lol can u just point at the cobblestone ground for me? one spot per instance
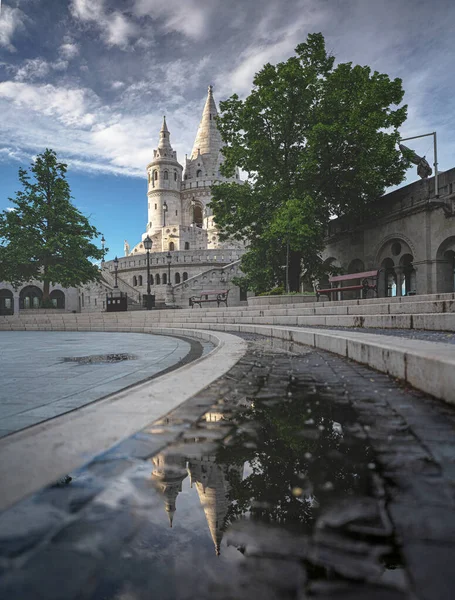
(291, 477)
(446, 337)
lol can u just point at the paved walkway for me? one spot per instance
(446, 337)
(308, 476)
(39, 384)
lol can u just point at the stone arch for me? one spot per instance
(171, 246)
(57, 298)
(198, 215)
(177, 278)
(30, 297)
(199, 173)
(139, 280)
(166, 175)
(397, 275)
(164, 278)
(134, 281)
(386, 244)
(158, 279)
(445, 265)
(6, 302)
(185, 276)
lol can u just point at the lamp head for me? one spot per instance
(148, 243)
(165, 205)
(169, 258)
(116, 262)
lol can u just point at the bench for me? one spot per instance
(369, 281)
(217, 296)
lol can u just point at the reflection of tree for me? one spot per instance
(295, 450)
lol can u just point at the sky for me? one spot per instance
(92, 79)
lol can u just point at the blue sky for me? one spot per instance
(92, 78)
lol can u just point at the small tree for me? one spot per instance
(44, 236)
(316, 141)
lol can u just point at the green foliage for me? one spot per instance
(316, 141)
(45, 237)
(277, 291)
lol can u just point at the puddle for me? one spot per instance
(100, 358)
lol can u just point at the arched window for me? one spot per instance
(166, 175)
(158, 280)
(185, 276)
(30, 297)
(197, 215)
(171, 246)
(135, 281)
(199, 173)
(57, 298)
(151, 279)
(140, 279)
(155, 175)
(164, 278)
(187, 245)
(177, 278)
(6, 302)
(175, 175)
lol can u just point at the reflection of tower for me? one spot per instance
(213, 487)
(168, 474)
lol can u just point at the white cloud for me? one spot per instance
(34, 68)
(116, 28)
(10, 209)
(69, 50)
(11, 20)
(191, 18)
(116, 85)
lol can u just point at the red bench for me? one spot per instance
(369, 281)
(217, 296)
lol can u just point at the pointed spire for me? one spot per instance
(170, 515)
(208, 138)
(164, 136)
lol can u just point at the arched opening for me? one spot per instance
(185, 276)
(408, 280)
(155, 175)
(177, 278)
(30, 297)
(134, 281)
(151, 279)
(390, 277)
(445, 257)
(166, 175)
(187, 245)
(158, 280)
(171, 246)
(197, 215)
(164, 278)
(175, 176)
(327, 267)
(6, 302)
(199, 173)
(140, 280)
(356, 266)
(57, 298)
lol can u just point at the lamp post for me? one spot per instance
(148, 246)
(169, 260)
(435, 151)
(164, 212)
(115, 271)
(103, 241)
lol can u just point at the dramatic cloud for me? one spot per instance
(116, 28)
(11, 20)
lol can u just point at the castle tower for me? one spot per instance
(168, 474)
(164, 175)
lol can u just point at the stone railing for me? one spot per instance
(123, 286)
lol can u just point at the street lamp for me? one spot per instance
(164, 212)
(115, 271)
(193, 204)
(103, 241)
(420, 161)
(169, 260)
(148, 246)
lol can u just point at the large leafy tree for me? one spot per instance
(316, 141)
(44, 236)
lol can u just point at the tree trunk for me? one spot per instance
(294, 271)
(46, 287)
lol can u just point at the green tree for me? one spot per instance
(45, 237)
(316, 141)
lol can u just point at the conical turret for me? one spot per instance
(208, 139)
(164, 142)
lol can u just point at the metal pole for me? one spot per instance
(148, 280)
(169, 273)
(287, 265)
(115, 272)
(436, 185)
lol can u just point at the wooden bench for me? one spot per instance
(217, 296)
(369, 281)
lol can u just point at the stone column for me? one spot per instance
(400, 278)
(16, 302)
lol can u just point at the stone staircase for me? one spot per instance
(427, 364)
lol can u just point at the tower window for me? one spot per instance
(155, 175)
(199, 173)
(175, 176)
(155, 207)
(176, 212)
(166, 175)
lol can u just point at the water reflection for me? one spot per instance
(279, 459)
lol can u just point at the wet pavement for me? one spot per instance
(292, 476)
